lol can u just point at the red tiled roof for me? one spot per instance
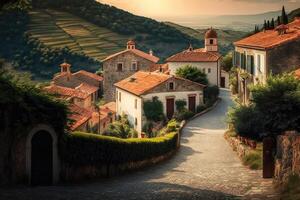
(197, 55)
(157, 67)
(66, 92)
(88, 74)
(109, 107)
(137, 52)
(78, 115)
(270, 38)
(141, 82)
(211, 33)
(86, 88)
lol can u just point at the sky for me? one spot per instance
(172, 8)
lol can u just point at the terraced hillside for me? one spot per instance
(58, 29)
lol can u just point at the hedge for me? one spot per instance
(88, 149)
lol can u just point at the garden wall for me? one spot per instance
(87, 156)
(236, 144)
(287, 157)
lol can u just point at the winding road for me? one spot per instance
(205, 168)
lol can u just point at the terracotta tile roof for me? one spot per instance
(141, 82)
(86, 88)
(109, 107)
(78, 115)
(270, 38)
(66, 92)
(297, 73)
(197, 55)
(88, 74)
(137, 52)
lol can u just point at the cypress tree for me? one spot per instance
(284, 17)
(265, 25)
(272, 24)
(278, 21)
(268, 24)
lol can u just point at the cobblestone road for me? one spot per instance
(204, 168)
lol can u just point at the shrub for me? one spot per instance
(153, 110)
(247, 122)
(253, 160)
(109, 150)
(147, 128)
(120, 129)
(172, 126)
(200, 108)
(193, 74)
(211, 94)
(184, 115)
(180, 104)
(279, 102)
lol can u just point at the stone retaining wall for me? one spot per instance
(237, 146)
(287, 157)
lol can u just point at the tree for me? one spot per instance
(265, 25)
(193, 74)
(153, 110)
(268, 25)
(279, 103)
(284, 17)
(278, 21)
(227, 62)
(272, 25)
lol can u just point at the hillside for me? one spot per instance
(66, 30)
(226, 37)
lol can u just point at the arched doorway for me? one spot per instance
(42, 158)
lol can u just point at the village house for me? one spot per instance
(267, 52)
(142, 86)
(206, 59)
(81, 90)
(124, 64)
(107, 115)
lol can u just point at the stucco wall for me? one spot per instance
(112, 76)
(127, 106)
(213, 76)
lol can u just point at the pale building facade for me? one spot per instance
(206, 59)
(132, 92)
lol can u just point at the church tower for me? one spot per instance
(211, 40)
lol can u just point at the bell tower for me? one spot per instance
(211, 40)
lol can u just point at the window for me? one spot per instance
(135, 103)
(203, 70)
(135, 122)
(209, 70)
(120, 96)
(237, 59)
(104, 125)
(134, 66)
(258, 63)
(171, 86)
(211, 41)
(111, 120)
(120, 67)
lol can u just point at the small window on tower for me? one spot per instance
(211, 41)
(208, 70)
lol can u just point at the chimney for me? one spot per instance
(132, 79)
(191, 47)
(151, 52)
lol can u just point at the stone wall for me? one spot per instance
(287, 157)
(241, 149)
(112, 75)
(284, 58)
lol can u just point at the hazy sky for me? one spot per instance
(168, 8)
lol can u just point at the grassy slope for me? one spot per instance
(64, 29)
(226, 37)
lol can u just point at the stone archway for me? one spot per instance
(42, 163)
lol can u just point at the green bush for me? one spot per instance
(201, 108)
(153, 110)
(147, 128)
(120, 129)
(172, 126)
(183, 115)
(193, 74)
(80, 149)
(180, 104)
(253, 160)
(247, 122)
(211, 94)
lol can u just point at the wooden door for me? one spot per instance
(41, 159)
(192, 103)
(269, 149)
(222, 82)
(170, 108)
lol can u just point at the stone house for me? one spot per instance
(267, 52)
(107, 115)
(81, 90)
(123, 64)
(132, 92)
(206, 59)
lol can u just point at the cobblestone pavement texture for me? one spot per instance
(205, 168)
